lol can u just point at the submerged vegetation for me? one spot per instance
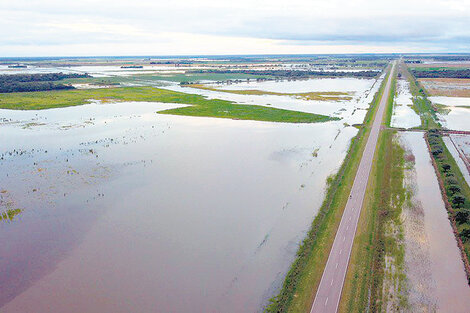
(9, 215)
(321, 95)
(197, 104)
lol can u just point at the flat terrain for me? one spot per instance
(450, 87)
(329, 291)
(198, 105)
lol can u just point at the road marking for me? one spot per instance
(326, 302)
(340, 251)
(336, 265)
(331, 284)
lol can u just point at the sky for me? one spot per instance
(187, 27)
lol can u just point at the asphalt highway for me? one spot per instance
(331, 284)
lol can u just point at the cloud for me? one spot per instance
(294, 26)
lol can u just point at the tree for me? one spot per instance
(436, 150)
(458, 199)
(453, 188)
(462, 216)
(446, 167)
(450, 180)
(465, 233)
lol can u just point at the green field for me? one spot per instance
(198, 105)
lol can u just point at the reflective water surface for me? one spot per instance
(126, 210)
(437, 274)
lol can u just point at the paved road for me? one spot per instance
(331, 284)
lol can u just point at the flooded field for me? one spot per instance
(451, 87)
(125, 210)
(403, 115)
(434, 268)
(455, 112)
(351, 111)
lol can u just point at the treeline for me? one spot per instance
(35, 82)
(291, 73)
(441, 73)
(454, 188)
(32, 86)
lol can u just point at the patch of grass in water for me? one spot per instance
(9, 215)
(198, 105)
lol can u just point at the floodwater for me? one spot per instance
(461, 144)
(403, 115)
(459, 112)
(126, 210)
(446, 288)
(450, 101)
(351, 111)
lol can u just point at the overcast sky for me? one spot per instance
(185, 27)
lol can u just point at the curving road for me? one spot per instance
(331, 284)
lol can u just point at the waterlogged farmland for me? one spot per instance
(345, 98)
(403, 114)
(113, 207)
(433, 266)
(453, 112)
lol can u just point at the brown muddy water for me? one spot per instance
(126, 210)
(437, 280)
